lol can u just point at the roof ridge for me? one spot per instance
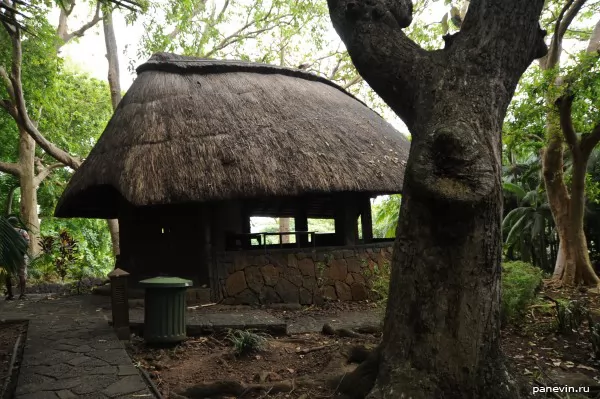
(175, 63)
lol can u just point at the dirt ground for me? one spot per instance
(536, 354)
(207, 359)
(9, 332)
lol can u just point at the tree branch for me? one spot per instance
(9, 199)
(44, 172)
(197, 10)
(66, 37)
(565, 105)
(570, 16)
(10, 168)
(588, 142)
(382, 53)
(20, 115)
(357, 79)
(594, 43)
(563, 21)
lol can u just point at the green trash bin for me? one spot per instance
(164, 309)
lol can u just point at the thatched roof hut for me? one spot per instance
(197, 130)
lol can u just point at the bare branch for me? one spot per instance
(66, 37)
(563, 21)
(335, 69)
(570, 16)
(594, 43)
(357, 79)
(239, 34)
(44, 172)
(10, 168)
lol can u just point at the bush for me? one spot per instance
(520, 282)
(380, 280)
(246, 342)
(570, 315)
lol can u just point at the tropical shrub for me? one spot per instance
(520, 282)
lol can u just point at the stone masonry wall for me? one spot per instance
(302, 275)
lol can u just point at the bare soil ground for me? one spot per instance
(536, 354)
(541, 356)
(9, 332)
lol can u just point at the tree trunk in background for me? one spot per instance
(115, 96)
(10, 199)
(29, 204)
(442, 329)
(573, 265)
(584, 272)
(284, 226)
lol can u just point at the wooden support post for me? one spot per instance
(246, 227)
(346, 220)
(301, 223)
(366, 219)
(119, 303)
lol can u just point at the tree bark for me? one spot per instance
(115, 95)
(441, 332)
(29, 202)
(10, 199)
(573, 265)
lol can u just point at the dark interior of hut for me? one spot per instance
(181, 239)
(351, 213)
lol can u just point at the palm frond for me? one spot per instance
(531, 198)
(12, 247)
(517, 190)
(515, 230)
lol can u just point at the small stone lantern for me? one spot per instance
(120, 303)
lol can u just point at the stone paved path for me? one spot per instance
(72, 352)
(248, 318)
(310, 324)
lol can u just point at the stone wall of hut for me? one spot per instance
(304, 276)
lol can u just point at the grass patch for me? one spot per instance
(246, 342)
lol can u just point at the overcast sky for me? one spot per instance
(88, 53)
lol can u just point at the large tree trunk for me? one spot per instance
(29, 204)
(115, 95)
(584, 271)
(442, 327)
(573, 265)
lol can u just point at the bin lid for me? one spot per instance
(166, 282)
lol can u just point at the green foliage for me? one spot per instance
(246, 342)
(570, 315)
(380, 280)
(520, 282)
(526, 227)
(12, 247)
(386, 215)
(73, 249)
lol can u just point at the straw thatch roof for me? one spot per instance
(192, 130)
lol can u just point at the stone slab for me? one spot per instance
(71, 352)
